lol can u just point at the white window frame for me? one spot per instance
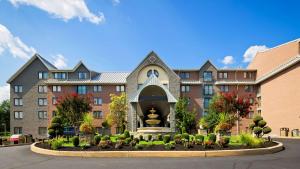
(120, 88)
(18, 88)
(18, 102)
(97, 101)
(42, 102)
(42, 75)
(97, 88)
(18, 115)
(98, 114)
(42, 89)
(185, 88)
(56, 88)
(42, 115)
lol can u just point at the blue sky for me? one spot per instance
(115, 35)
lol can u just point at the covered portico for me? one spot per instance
(153, 96)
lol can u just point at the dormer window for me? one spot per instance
(59, 75)
(82, 75)
(150, 72)
(207, 76)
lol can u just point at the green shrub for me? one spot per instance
(141, 138)
(103, 144)
(224, 141)
(188, 144)
(126, 134)
(262, 123)
(166, 138)
(267, 130)
(177, 138)
(185, 136)
(57, 143)
(251, 126)
(105, 138)
(169, 146)
(257, 131)
(131, 136)
(249, 140)
(159, 137)
(122, 137)
(127, 141)
(199, 139)
(136, 140)
(256, 119)
(139, 146)
(75, 141)
(191, 138)
(97, 139)
(212, 137)
(149, 137)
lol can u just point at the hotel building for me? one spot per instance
(271, 82)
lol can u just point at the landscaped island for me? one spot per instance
(178, 142)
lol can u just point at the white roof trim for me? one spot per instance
(235, 82)
(153, 80)
(280, 68)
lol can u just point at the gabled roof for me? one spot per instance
(46, 63)
(152, 53)
(279, 69)
(208, 62)
(153, 81)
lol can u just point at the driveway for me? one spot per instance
(21, 157)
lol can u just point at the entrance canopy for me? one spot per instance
(153, 81)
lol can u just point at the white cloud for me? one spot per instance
(251, 52)
(228, 60)
(115, 2)
(14, 45)
(64, 9)
(4, 92)
(59, 61)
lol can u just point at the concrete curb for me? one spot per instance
(217, 153)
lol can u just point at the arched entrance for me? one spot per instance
(154, 107)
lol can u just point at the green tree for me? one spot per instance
(117, 111)
(259, 126)
(72, 107)
(185, 120)
(4, 115)
(56, 127)
(87, 127)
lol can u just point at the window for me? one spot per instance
(248, 88)
(251, 100)
(18, 89)
(42, 89)
(207, 76)
(120, 88)
(43, 75)
(206, 103)
(98, 114)
(97, 101)
(56, 88)
(204, 113)
(42, 102)
(42, 115)
(82, 75)
(97, 88)
(18, 130)
(247, 75)
(259, 112)
(185, 89)
(208, 89)
(18, 114)
(54, 100)
(250, 115)
(184, 75)
(150, 72)
(223, 75)
(59, 75)
(81, 89)
(224, 88)
(18, 102)
(42, 131)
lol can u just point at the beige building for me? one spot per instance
(278, 81)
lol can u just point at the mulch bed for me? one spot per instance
(178, 147)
